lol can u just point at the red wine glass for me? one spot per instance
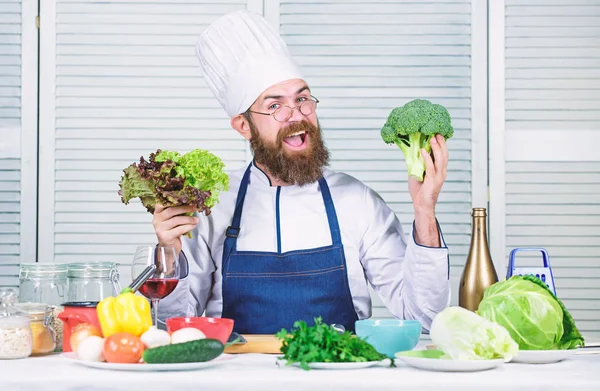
(164, 279)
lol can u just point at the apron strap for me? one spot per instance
(334, 226)
(233, 230)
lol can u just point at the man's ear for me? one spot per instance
(241, 125)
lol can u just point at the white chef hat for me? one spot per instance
(241, 56)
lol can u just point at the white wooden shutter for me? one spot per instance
(10, 127)
(361, 60)
(127, 82)
(18, 121)
(552, 138)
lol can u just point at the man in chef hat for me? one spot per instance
(292, 240)
(251, 73)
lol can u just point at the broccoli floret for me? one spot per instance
(411, 127)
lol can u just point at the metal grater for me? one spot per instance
(543, 273)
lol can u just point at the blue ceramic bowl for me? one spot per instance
(389, 336)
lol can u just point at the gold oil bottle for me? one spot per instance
(479, 272)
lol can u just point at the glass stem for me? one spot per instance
(155, 307)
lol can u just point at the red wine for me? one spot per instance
(157, 288)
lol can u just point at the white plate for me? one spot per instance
(188, 366)
(338, 365)
(542, 356)
(431, 363)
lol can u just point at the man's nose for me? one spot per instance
(296, 116)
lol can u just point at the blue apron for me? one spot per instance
(267, 291)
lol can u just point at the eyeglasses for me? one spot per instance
(284, 113)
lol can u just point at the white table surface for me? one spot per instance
(260, 372)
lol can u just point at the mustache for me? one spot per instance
(296, 127)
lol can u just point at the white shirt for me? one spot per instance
(412, 280)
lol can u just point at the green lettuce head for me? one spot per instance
(535, 318)
(171, 179)
(463, 335)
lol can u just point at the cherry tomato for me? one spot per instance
(123, 348)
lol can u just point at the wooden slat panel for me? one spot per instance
(537, 84)
(9, 272)
(10, 134)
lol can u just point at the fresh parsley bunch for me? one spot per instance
(322, 343)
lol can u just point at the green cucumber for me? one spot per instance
(199, 350)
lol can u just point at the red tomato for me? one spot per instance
(123, 348)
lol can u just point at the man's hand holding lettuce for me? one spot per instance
(194, 179)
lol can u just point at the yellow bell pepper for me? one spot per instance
(125, 313)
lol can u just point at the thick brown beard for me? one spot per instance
(295, 168)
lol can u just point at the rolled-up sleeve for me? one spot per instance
(411, 280)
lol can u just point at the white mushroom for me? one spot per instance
(90, 349)
(186, 334)
(155, 337)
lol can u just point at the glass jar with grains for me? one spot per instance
(15, 332)
(42, 327)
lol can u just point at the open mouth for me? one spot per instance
(296, 140)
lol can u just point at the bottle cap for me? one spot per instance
(479, 212)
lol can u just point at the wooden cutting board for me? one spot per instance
(256, 343)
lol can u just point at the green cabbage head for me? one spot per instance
(535, 318)
(463, 335)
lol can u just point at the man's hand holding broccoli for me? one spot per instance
(420, 129)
